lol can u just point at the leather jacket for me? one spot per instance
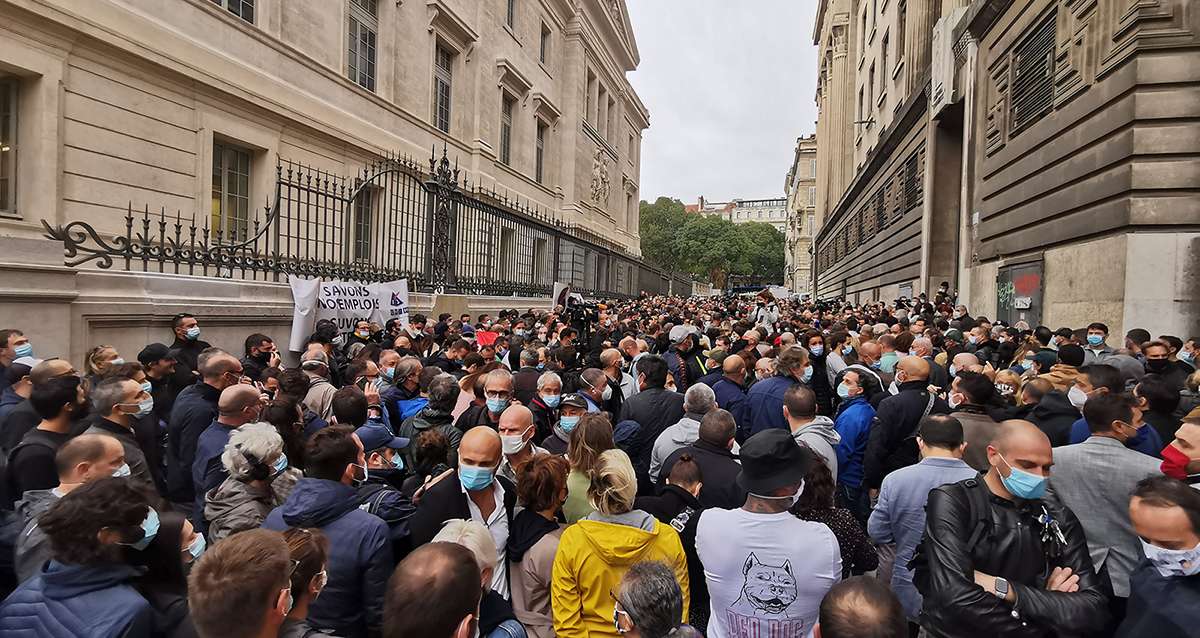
(1009, 546)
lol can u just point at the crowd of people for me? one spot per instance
(736, 466)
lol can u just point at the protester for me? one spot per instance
(594, 553)
(1165, 585)
(436, 416)
(809, 429)
(899, 516)
(571, 408)
(853, 428)
(860, 607)
(238, 405)
(472, 492)
(997, 558)
(533, 541)
(971, 394)
(591, 438)
(891, 445)
(163, 582)
(434, 592)
(58, 402)
(242, 587)
(258, 479)
(194, 411)
(309, 549)
(654, 408)
(698, 401)
(360, 556)
(649, 603)
(1094, 478)
(83, 459)
(764, 401)
(815, 504)
(545, 403)
(87, 588)
(713, 454)
(496, 618)
(516, 429)
(774, 576)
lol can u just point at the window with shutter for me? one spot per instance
(1033, 75)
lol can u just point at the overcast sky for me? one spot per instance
(729, 85)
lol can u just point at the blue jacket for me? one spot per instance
(731, 397)
(193, 412)
(409, 407)
(764, 405)
(77, 601)
(853, 423)
(360, 554)
(207, 470)
(899, 517)
(712, 378)
(1147, 441)
(1160, 607)
(9, 400)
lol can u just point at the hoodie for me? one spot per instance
(360, 554)
(592, 557)
(33, 548)
(1054, 415)
(683, 433)
(821, 437)
(97, 601)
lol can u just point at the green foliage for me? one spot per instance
(709, 247)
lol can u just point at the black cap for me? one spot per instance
(772, 459)
(573, 400)
(154, 353)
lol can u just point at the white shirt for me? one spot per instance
(497, 524)
(770, 582)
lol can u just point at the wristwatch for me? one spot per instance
(1000, 588)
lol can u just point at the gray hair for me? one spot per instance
(651, 596)
(443, 392)
(406, 366)
(500, 374)
(529, 357)
(475, 537)
(107, 394)
(547, 377)
(791, 360)
(699, 399)
(258, 440)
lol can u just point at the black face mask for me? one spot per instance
(82, 410)
(1157, 365)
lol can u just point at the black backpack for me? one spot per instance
(977, 509)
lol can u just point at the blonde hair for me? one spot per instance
(91, 363)
(614, 485)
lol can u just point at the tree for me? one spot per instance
(712, 247)
(765, 256)
(659, 224)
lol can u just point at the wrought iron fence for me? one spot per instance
(395, 219)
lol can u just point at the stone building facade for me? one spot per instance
(801, 188)
(109, 102)
(188, 106)
(1039, 156)
(743, 211)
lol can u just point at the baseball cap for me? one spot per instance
(772, 459)
(679, 333)
(153, 353)
(375, 435)
(954, 334)
(573, 400)
(716, 354)
(20, 368)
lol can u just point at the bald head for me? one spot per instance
(869, 352)
(734, 366)
(965, 361)
(216, 363)
(1018, 445)
(914, 368)
(49, 369)
(239, 402)
(480, 447)
(610, 358)
(515, 420)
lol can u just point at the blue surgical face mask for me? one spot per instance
(197, 547)
(843, 391)
(397, 460)
(1095, 340)
(475, 478)
(847, 349)
(23, 350)
(496, 406)
(541, 366)
(193, 333)
(807, 375)
(552, 400)
(1023, 484)
(972, 339)
(817, 350)
(388, 373)
(116, 362)
(147, 388)
(568, 423)
(122, 472)
(280, 464)
(145, 407)
(149, 530)
(1187, 355)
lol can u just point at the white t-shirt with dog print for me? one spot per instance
(766, 573)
